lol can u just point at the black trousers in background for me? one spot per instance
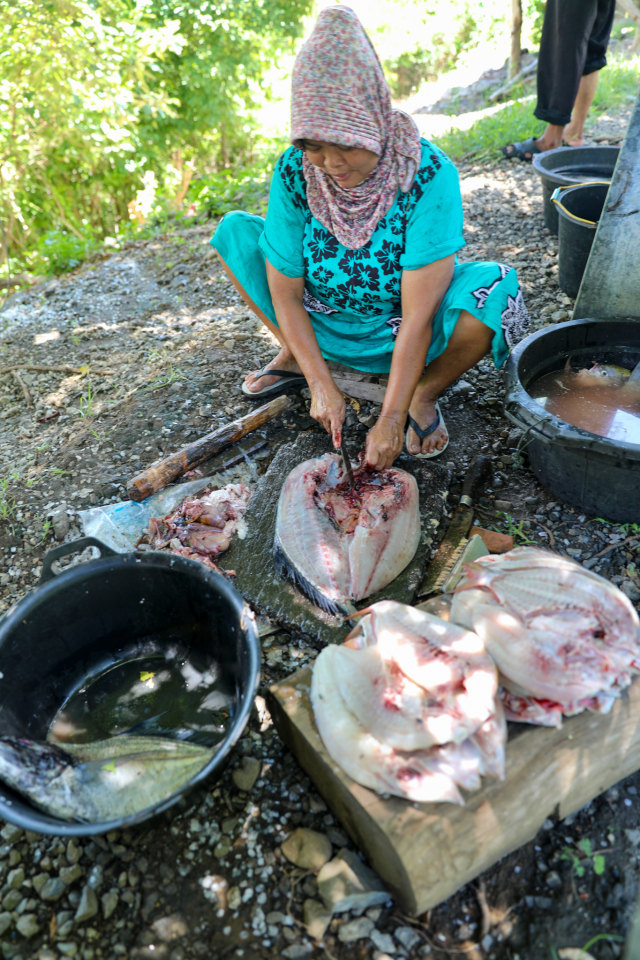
(575, 36)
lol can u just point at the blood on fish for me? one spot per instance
(340, 542)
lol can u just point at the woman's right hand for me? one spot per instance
(328, 408)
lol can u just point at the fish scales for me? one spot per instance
(340, 543)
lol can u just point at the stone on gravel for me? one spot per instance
(316, 918)
(27, 925)
(53, 888)
(109, 902)
(346, 883)
(356, 929)
(383, 941)
(246, 774)
(297, 951)
(407, 937)
(307, 849)
(88, 905)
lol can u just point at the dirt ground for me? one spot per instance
(130, 357)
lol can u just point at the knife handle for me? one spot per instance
(478, 473)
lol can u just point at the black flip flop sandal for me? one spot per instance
(288, 381)
(521, 150)
(422, 434)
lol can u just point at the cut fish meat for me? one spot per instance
(564, 639)
(418, 680)
(340, 543)
(201, 527)
(366, 759)
(394, 735)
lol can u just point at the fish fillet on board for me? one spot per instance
(416, 680)
(558, 633)
(341, 543)
(362, 756)
(397, 736)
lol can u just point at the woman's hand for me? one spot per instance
(384, 442)
(328, 408)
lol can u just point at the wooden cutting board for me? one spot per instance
(251, 558)
(425, 852)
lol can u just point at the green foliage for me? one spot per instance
(436, 39)
(94, 94)
(7, 502)
(617, 87)
(59, 250)
(581, 855)
(516, 529)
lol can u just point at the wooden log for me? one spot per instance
(425, 852)
(516, 33)
(158, 476)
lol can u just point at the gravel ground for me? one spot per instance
(128, 358)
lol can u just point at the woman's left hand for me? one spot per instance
(384, 442)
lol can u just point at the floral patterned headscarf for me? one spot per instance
(340, 95)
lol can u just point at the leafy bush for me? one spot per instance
(58, 251)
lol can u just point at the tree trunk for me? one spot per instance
(516, 29)
(631, 9)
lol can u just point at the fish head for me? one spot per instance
(24, 761)
(599, 372)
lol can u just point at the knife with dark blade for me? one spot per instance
(455, 539)
(347, 462)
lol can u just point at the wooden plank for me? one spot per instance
(425, 852)
(360, 389)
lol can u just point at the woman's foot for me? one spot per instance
(283, 361)
(424, 412)
(572, 137)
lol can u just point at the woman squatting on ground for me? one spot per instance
(356, 259)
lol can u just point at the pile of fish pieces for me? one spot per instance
(408, 705)
(340, 541)
(201, 527)
(564, 639)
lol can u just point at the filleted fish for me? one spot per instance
(432, 680)
(564, 639)
(99, 781)
(340, 542)
(421, 738)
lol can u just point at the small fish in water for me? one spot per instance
(340, 542)
(99, 781)
(602, 371)
(603, 399)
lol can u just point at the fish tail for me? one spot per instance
(287, 571)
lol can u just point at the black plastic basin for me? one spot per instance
(95, 613)
(599, 476)
(567, 165)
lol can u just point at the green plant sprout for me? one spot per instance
(578, 858)
(173, 373)
(515, 529)
(46, 529)
(7, 503)
(86, 403)
(584, 950)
